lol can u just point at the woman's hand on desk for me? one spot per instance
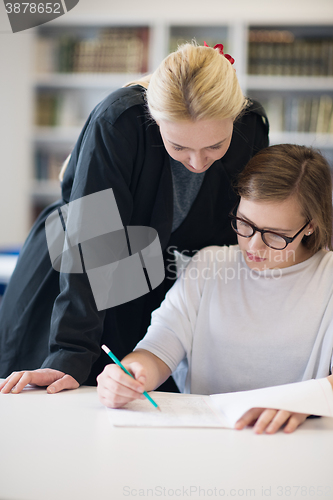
(53, 380)
(115, 388)
(270, 421)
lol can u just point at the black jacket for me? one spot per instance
(49, 319)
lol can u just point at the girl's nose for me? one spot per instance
(255, 243)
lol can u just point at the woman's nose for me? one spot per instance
(198, 160)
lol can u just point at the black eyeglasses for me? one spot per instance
(270, 238)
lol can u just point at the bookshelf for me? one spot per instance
(290, 70)
(76, 66)
(287, 68)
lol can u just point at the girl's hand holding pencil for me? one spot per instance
(128, 380)
(116, 388)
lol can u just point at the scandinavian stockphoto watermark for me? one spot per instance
(23, 15)
(224, 263)
(87, 236)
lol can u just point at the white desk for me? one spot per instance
(62, 446)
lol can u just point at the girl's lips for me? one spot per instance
(254, 258)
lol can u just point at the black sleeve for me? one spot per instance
(107, 157)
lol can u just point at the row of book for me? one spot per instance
(110, 51)
(270, 36)
(48, 164)
(298, 58)
(300, 114)
(61, 109)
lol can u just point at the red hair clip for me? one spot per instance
(219, 46)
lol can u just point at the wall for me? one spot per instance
(15, 124)
(298, 11)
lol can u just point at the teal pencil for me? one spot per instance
(116, 360)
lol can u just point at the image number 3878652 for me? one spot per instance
(24, 15)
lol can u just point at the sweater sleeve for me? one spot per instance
(170, 335)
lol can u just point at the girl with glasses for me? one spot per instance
(252, 315)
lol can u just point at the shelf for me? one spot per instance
(321, 141)
(56, 135)
(45, 190)
(84, 80)
(283, 83)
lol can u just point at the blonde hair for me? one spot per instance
(144, 82)
(64, 167)
(284, 170)
(194, 83)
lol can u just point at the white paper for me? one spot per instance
(314, 397)
(177, 410)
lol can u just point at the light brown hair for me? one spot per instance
(284, 170)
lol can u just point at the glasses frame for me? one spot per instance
(287, 239)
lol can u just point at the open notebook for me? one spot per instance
(313, 397)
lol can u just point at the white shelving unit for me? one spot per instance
(89, 89)
(292, 83)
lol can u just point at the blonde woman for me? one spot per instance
(252, 315)
(169, 148)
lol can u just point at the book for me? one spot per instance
(61, 108)
(324, 114)
(48, 164)
(300, 113)
(116, 50)
(46, 109)
(109, 50)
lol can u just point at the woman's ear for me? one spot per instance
(310, 228)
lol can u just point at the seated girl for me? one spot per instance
(252, 315)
